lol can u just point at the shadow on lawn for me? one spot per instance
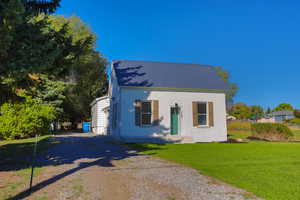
(94, 151)
(16, 156)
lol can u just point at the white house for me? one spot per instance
(160, 102)
(277, 117)
(100, 114)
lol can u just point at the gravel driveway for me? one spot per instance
(86, 166)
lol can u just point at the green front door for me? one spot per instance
(174, 121)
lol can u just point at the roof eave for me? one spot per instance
(178, 89)
(98, 99)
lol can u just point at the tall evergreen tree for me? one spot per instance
(31, 45)
(41, 6)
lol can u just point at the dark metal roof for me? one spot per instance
(167, 75)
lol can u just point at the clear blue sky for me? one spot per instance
(257, 41)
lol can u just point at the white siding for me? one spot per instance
(126, 122)
(100, 116)
(94, 117)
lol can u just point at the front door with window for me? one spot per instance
(174, 120)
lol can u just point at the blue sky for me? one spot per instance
(257, 41)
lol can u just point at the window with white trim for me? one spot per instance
(202, 114)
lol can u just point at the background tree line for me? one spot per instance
(49, 68)
(242, 111)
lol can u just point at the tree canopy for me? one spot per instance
(30, 45)
(224, 74)
(283, 106)
(240, 111)
(50, 59)
(256, 111)
(86, 75)
(41, 6)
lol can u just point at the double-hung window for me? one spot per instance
(146, 113)
(202, 114)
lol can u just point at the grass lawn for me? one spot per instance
(297, 134)
(270, 170)
(16, 173)
(10, 150)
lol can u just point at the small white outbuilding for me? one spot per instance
(100, 114)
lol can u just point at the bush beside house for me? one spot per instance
(25, 119)
(296, 120)
(271, 131)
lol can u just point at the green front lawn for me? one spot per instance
(267, 169)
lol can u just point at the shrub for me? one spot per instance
(297, 113)
(271, 131)
(295, 121)
(238, 126)
(25, 119)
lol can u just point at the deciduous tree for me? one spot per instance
(283, 106)
(87, 75)
(233, 88)
(256, 112)
(241, 111)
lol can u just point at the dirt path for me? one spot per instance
(90, 167)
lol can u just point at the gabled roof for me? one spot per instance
(98, 99)
(167, 75)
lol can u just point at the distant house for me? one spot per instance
(278, 116)
(100, 114)
(155, 101)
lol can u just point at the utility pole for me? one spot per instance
(33, 162)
